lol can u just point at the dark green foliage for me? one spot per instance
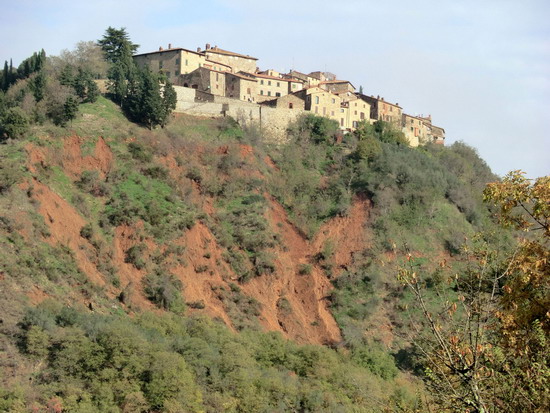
(139, 152)
(14, 123)
(164, 289)
(90, 182)
(135, 256)
(146, 101)
(116, 44)
(318, 128)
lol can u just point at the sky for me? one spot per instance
(480, 68)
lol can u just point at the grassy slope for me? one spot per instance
(165, 180)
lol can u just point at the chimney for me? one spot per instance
(378, 97)
(198, 49)
(169, 45)
(160, 48)
(397, 104)
(207, 46)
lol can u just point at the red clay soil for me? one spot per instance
(308, 320)
(346, 234)
(65, 223)
(74, 163)
(203, 270)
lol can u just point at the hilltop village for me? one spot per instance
(217, 81)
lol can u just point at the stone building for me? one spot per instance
(205, 80)
(238, 62)
(321, 102)
(241, 86)
(383, 110)
(355, 110)
(415, 130)
(306, 79)
(271, 86)
(291, 101)
(434, 133)
(172, 62)
(337, 86)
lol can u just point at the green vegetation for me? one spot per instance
(91, 347)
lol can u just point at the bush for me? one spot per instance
(14, 123)
(134, 256)
(164, 289)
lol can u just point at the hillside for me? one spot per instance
(195, 268)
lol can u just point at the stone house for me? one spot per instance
(337, 86)
(383, 110)
(434, 133)
(271, 86)
(238, 62)
(415, 130)
(306, 79)
(355, 110)
(205, 80)
(241, 86)
(321, 102)
(290, 101)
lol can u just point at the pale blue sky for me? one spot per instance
(480, 68)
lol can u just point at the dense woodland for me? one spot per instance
(445, 308)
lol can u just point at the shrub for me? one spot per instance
(134, 256)
(14, 123)
(164, 289)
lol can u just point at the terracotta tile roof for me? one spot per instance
(271, 77)
(367, 97)
(175, 49)
(227, 53)
(243, 75)
(218, 63)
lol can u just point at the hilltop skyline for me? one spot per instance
(482, 70)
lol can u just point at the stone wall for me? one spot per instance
(272, 122)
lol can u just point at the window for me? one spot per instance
(355, 113)
(354, 123)
(248, 91)
(277, 94)
(317, 99)
(356, 104)
(342, 110)
(362, 115)
(269, 83)
(261, 82)
(290, 105)
(278, 84)
(177, 61)
(177, 73)
(161, 64)
(269, 93)
(187, 63)
(293, 86)
(217, 76)
(391, 108)
(333, 100)
(331, 113)
(261, 92)
(341, 121)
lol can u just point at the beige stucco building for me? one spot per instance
(321, 102)
(415, 130)
(355, 110)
